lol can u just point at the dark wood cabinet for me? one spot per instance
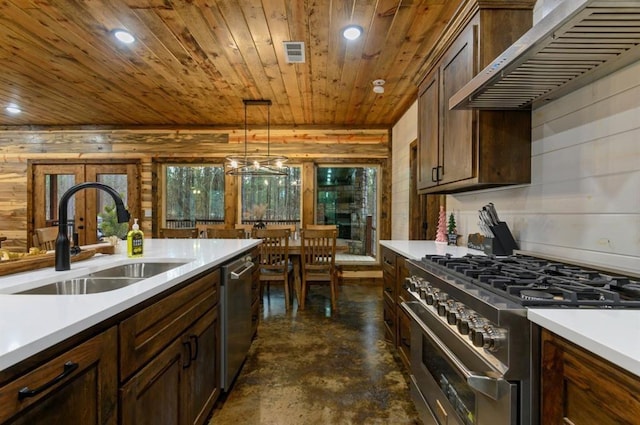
(579, 387)
(461, 150)
(176, 341)
(396, 321)
(79, 386)
(181, 383)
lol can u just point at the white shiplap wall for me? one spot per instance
(583, 202)
(404, 132)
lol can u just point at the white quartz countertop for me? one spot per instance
(613, 334)
(415, 250)
(32, 323)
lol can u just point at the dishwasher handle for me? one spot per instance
(237, 273)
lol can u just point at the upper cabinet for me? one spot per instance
(462, 150)
(576, 43)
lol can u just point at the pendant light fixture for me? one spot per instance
(256, 164)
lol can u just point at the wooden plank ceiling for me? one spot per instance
(195, 60)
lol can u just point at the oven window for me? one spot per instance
(455, 387)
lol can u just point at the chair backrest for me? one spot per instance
(186, 233)
(289, 227)
(321, 227)
(274, 249)
(45, 238)
(318, 248)
(202, 228)
(246, 227)
(226, 234)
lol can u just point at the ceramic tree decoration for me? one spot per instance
(441, 233)
(451, 230)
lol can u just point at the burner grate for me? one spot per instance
(544, 282)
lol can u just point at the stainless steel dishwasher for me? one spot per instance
(235, 320)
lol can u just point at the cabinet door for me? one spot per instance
(203, 373)
(428, 131)
(77, 387)
(458, 140)
(154, 396)
(581, 388)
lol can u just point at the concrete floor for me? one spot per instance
(315, 367)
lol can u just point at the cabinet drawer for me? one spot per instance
(388, 261)
(147, 332)
(79, 386)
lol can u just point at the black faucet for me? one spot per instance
(63, 257)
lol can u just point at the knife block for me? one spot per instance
(502, 242)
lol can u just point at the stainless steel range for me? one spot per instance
(474, 354)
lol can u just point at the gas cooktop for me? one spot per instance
(533, 281)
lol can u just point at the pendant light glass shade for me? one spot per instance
(256, 164)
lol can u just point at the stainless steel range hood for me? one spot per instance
(575, 44)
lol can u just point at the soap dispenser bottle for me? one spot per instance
(135, 240)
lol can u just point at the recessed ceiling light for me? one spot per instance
(124, 36)
(13, 109)
(352, 32)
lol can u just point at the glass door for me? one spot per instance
(90, 212)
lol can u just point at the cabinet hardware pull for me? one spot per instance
(405, 342)
(67, 369)
(440, 172)
(434, 178)
(194, 338)
(187, 345)
(389, 322)
(388, 290)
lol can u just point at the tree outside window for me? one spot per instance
(274, 199)
(194, 195)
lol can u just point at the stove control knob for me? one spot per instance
(432, 296)
(440, 303)
(444, 307)
(455, 312)
(489, 338)
(410, 283)
(476, 324)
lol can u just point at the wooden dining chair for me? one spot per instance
(246, 227)
(274, 260)
(226, 234)
(185, 233)
(318, 248)
(321, 227)
(45, 238)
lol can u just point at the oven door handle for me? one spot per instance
(493, 387)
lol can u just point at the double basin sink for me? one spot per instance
(104, 280)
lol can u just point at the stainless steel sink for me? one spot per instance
(104, 280)
(82, 285)
(142, 270)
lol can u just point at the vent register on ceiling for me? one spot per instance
(576, 43)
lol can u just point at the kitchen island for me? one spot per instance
(32, 323)
(151, 351)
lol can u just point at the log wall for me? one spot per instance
(303, 146)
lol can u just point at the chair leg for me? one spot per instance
(334, 294)
(303, 295)
(287, 295)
